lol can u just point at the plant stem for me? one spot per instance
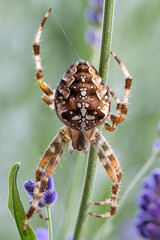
(71, 205)
(108, 15)
(87, 192)
(49, 222)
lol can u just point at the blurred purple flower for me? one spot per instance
(95, 11)
(93, 37)
(94, 14)
(49, 196)
(158, 128)
(148, 217)
(157, 141)
(42, 233)
(157, 144)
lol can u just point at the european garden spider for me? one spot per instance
(82, 102)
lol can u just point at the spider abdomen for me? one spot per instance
(81, 99)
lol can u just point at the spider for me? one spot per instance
(82, 102)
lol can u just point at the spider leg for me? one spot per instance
(120, 117)
(110, 154)
(60, 141)
(36, 47)
(111, 165)
(112, 127)
(50, 157)
(40, 215)
(49, 102)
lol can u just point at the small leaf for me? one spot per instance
(15, 205)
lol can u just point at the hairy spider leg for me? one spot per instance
(40, 215)
(110, 154)
(49, 102)
(36, 47)
(53, 149)
(50, 157)
(109, 161)
(115, 117)
(113, 126)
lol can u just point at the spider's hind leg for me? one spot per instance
(111, 165)
(50, 157)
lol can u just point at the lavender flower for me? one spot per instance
(158, 128)
(49, 196)
(148, 217)
(157, 141)
(93, 37)
(157, 144)
(95, 11)
(94, 15)
(42, 234)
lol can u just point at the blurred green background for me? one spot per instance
(27, 125)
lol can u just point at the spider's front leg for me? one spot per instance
(49, 101)
(50, 157)
(48, 97)
(113, 126)
(121, 106)
(111, 165)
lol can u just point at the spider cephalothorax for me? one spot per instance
(82, 102)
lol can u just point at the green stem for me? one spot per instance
(108, 15)
(49, 222)
(86, 197)
(106, 228)
(70, 205)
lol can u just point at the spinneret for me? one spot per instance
(82, 102)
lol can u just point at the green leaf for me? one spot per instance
(15, 205)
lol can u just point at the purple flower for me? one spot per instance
(94, 14)
(148, 217)
(158, 128)
(49, 196)
(157, 144)
(157, 141)
(95, 11)
(93, 37)
(42, 234)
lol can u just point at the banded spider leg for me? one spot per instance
(48, 97)
(111, 165)
(50, 158)
(121, 110)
